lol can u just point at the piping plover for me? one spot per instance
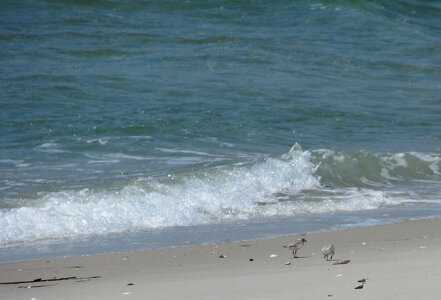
(327, 251)
(294, 246)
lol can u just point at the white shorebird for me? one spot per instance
(294, 246)
(327, 251)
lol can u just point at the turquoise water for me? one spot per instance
(127, 116)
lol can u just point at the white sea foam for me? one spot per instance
(126, 156)
(326, 154)
(140, 137)
(399, 160)
(101, 141)
(105, 140)
(385, 173)
(216, 141)
(434, 160)
(100, 159)
(17, 163)
(114, 158)
(51, 148)
(271, 187)
(185, 152)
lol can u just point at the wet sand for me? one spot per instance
(397, 261)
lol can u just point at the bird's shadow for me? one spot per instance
(300, 257)
(334, 259)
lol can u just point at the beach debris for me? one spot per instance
(125, 258)
(339, 275)
(251, 259)
(288, 263)
(295, 246)
(364, 243)
(40, 280)
(130, 283)
(363, 281)
(330, 295)
(423, 247)
(75, 267)
(127, 293)
(244, 245)
(273, 255)
(212, 252)
(344, 262)
(222, 256)
(327, 251)
(33, 286)
(50, 279)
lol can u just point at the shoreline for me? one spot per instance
(208, 234)
(397, 260)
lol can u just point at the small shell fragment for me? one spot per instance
(222, 256)
(342, 262)
(273, 255)
(288, 263)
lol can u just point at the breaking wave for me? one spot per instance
(297, 183)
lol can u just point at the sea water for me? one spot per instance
(129, 125)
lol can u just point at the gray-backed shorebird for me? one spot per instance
(295, 246)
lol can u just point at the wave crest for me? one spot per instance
(297, 183)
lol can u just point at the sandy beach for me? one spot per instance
(397, 261)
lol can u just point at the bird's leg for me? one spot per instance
(294, 253)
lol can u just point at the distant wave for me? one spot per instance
(432, 8)
(366, 169)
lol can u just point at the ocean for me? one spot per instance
(131, 125)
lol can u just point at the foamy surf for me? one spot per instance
(285, 186)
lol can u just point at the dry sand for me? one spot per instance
(398, 261)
